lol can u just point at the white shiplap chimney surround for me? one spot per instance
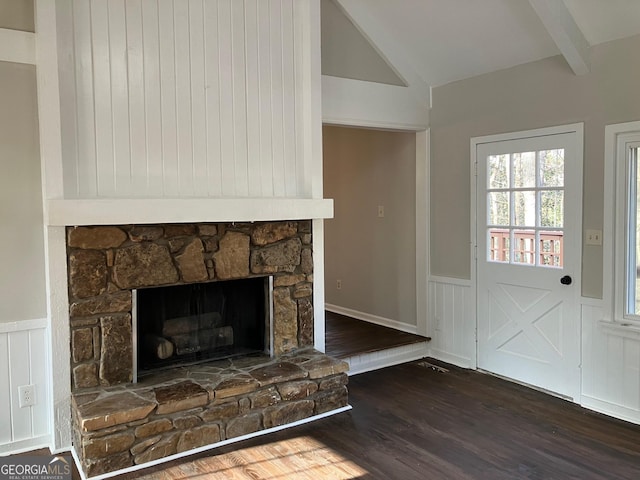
(160, 111)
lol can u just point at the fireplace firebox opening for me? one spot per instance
(200, 322)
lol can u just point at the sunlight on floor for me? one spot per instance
(299, 458)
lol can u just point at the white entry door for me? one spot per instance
(528, 232)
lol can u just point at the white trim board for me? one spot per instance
(357, 103)
(462, 282)
(17, 46)
(27, 445)
(610, 409)
(368, 362)
(612, 257)
(23, 325)
(592, 302)
(423, 212)
(619, 329)
(367, 317)
(453, 359)
(120, 211)
(318, 285)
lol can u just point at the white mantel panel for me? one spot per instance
(114, 211)
(184, 98)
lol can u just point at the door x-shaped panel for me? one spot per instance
(525, 322)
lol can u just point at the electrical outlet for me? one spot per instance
(26, 395)
(339, 284)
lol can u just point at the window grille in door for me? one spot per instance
(525, 208)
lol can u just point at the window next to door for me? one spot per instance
(622, 222)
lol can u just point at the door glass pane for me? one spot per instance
(552, 168)
(524, 246)
(524, 170)
(524, 208)
(552, 208)
(498, 208)
(551, 249)
(498, 171)
(499, 244)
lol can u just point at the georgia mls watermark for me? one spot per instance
(54, 467)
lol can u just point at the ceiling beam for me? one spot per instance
(562, 27)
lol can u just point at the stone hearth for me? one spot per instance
(190, 407)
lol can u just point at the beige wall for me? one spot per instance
(538, 94)
(374, 257)
(17, 15)
(22, 286)
(347, 53)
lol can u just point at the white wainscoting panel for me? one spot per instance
(184, 98)
(610, 352)
(452, 324)
(23, 353)
(610, 366)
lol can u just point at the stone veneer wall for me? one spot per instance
(106, 263)
(191, 407)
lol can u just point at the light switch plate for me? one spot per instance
(594, 237)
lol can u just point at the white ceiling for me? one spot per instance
(449, 40)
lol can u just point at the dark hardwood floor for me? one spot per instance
(413, 422)
(346, 336)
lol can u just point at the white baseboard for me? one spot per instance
(367, 317)
(453, 359)
(367, 362)
(23, 446)
(611, 409)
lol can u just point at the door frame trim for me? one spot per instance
(573, 128)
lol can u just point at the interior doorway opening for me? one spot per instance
(370, 244)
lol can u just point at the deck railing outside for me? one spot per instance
(550, 248)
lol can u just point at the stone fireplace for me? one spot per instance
(119, 424)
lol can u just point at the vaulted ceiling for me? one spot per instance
(449, 40)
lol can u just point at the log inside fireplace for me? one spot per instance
(187, 324)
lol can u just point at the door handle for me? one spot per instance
(566, 280)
